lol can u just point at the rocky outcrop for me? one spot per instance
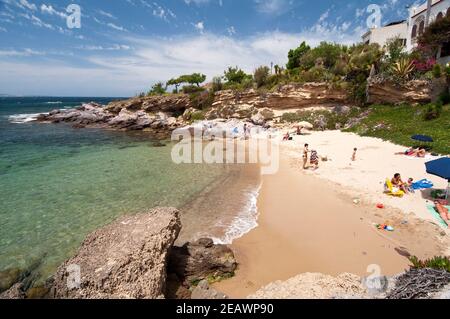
(172, 103)
(95, 115)
(412, 92)
(314, 286)
(201, 260)
(15, 292)
(126, 259)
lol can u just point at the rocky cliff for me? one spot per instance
(394, 93)
(161, 115)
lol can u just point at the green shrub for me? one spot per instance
(217, 84)
(198, 116)
(438, 263)
(261, 75)
(444, 97)
(437, 71)
(157, 89)
(188, 89)
(295, 55)
(433, 111)
(202, 100)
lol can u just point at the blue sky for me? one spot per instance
(123, 46)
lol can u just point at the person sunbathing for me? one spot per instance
(421, 152)
(397, 182)
(443, 211)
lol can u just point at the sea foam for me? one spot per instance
(23, 118)
(245, 221)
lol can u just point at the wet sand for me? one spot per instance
(307, 224)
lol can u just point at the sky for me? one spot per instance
(122, 47)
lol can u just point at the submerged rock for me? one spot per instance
(126, 259)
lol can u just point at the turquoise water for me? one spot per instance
(57, 183)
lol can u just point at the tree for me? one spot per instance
(235, 75)
(395, 50)
(157, 89)
(176, 82)
(261, 75)
(196, 78)
(295, 55)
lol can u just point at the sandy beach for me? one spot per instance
(308, 221)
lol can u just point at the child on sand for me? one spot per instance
(354, 154)
(305, 156)
(314, 159)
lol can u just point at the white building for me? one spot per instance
(411, 29)
(418, 16)
(382, 35)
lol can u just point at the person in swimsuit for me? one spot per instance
(314, 159)
(397, 182)
(305, 156)
(443, 211)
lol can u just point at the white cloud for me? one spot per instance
(231, 30)
(200, 26)
(157, 59)
(107, 14)
(22, 53)
(272, 6)
(48, 9)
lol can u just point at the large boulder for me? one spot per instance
(314, 286)
(201, 260)
(126, 259)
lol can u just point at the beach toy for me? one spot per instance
(380, 206)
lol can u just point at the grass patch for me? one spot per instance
(398, 123)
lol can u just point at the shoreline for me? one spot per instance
(290, 241)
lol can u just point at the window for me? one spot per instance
(421, 27)
(414, 32)
(445, 50)
(439, 16)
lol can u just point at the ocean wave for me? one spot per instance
(23, 118)
(56, 102)
(244, 222)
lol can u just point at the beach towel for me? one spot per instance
(422, 184)
(437, 216)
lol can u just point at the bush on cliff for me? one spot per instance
(261, 76)
(157, 89)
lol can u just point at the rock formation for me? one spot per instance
(126, 259)
(412, 92)
(202, 260)
(314, 286)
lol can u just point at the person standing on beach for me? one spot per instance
(354, 154)
(305, 156)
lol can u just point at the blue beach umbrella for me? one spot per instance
(441, 168)
(422, 138)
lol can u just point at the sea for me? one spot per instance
(58, 184)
